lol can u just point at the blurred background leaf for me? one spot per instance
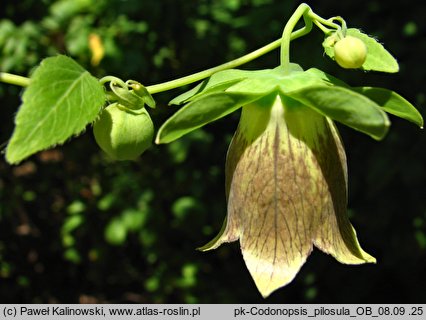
(75, 227)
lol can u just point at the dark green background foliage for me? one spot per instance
(75, 227)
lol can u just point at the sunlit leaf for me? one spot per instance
(60, 101)
(346, 106)
(223, 80)
(392, 103)
(378, 58)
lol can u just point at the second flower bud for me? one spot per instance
(350, 52)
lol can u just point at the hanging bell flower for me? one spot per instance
(286, 174)
(286, 183)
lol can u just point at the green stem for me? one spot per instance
(208, 72)
(320, 23)
(343, 26)
(173, 84)
(112, 80)
(14, 79)
(302, 10)
(326, 22)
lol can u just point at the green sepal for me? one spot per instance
(223, 80)
(215, 83)
(392, 103)
(215, 242)
(326, 78)
(378, 58)
(200, 112)
(60, 101)
(277, 79)
(347, 107)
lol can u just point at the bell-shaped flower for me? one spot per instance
(286, 182)
(286, 174)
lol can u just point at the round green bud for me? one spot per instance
(350, 52)
(123, 134)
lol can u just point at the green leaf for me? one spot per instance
(60, 101)
(223, 80)
(392, 103)
(199, 112)
(378, 58)
(128, 98)
(346, 106)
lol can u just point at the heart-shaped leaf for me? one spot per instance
(225, 79)
(378, 58)
(276, 79)
(60, 101)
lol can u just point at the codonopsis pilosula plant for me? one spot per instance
(286, 174)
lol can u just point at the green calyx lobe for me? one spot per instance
(225, 92)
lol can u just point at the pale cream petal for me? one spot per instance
(273, 193)
(334, 233)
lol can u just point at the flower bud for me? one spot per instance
(123, 134)
(350, 52)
